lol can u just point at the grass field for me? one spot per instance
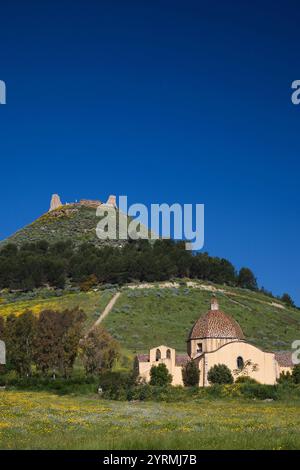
(32, 420)
(144, 318)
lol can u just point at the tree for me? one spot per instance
(2, 327)
(246, 279)
(57, 340)
(287, 299)
(19, 337)
(285, 377)
(296, 374)
(72, 325)
(99, 350)
(220, 374)
(159, 375)
(245, 367)
(190, 374)
(47, 342)
(88, 283)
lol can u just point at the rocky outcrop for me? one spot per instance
(55, 202)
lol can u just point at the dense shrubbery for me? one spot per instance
(38, 264)
(159, 375)
(49, 345)
(76, 384)
(125, 390)
(190, 374)
(220, 374)
(122, 386)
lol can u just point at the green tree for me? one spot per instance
(296, 374)
(190, 374)
(99, 351)
(57, 340)
(2, 327)
(246, 279)
(285, 377)
(19, 337)
(159, 375)
(72, 326)
(287, 299)
(47, 342)
(220, 374)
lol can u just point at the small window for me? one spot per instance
(158, 354)
(168, 354)
(240, 362)
(199, 348)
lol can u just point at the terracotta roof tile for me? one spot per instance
(216, 324)
(143, 357)
(181, 359)
(284, 358)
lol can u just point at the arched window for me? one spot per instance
(199, 348)
(240, 362)
(168, 354)
(158, 354)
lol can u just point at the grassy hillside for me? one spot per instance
(149, 317)
(143, 318)
(93, 303)
(74, 222)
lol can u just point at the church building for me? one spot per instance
(216, 338)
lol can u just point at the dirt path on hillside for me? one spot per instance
(106, 311)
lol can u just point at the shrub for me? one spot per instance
(160, 375)
(245, 379)
(220, 374)
(296, 374)
(190, 374)
(259, 391)
(285, 378)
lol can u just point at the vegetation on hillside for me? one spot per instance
(48, 345)
(67, 222)
(145, 317)
(33, 265)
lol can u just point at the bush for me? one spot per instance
(160, 375)
(285, 378)
(245, 379)
(259, 391)
(296, 374)
(190, 374)
(62, 386)
(220, 374)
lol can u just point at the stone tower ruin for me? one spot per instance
(55, 202)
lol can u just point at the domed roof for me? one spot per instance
(216, 324)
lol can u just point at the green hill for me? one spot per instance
(146, 317)
(69, 222)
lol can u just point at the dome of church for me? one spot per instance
(216, 324)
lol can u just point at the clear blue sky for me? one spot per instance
(165, 101)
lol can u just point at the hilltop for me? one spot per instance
(76, 221)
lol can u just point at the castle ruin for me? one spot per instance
(92, 203)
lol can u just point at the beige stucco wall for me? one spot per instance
(175, 371)
(208, 344)
(266, 373)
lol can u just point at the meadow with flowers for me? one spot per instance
(41, 420)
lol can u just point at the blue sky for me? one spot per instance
(164, 101)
